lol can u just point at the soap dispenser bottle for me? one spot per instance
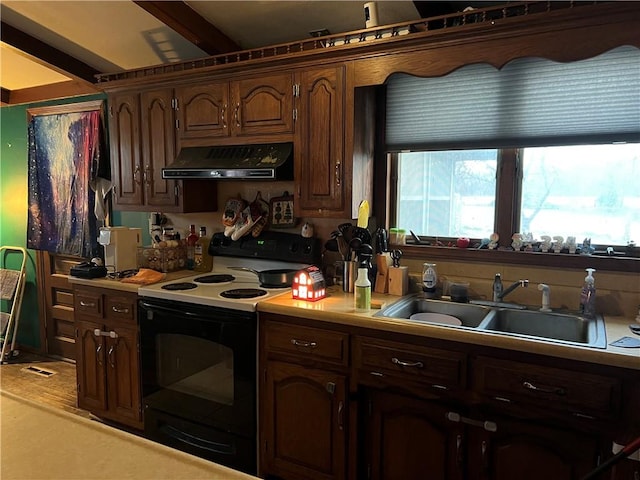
(588, 294)
(497, 288)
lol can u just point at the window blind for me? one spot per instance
(530, 101)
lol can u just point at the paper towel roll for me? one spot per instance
(370, 14)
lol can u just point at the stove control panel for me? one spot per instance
(282, 246)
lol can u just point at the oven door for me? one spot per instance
(199, 365)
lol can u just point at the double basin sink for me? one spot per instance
(562, 328)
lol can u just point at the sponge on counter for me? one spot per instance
(377, 304)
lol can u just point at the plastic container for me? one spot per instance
(397, 236)
(588, 294)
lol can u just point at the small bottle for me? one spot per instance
(429, 278)
(203, 262)
(192, 239)
(497, 288)
(362, 289)
(588, 295)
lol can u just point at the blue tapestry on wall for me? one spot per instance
(64, 157)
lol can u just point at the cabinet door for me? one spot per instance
(304, 423)
(527, 451)
(202, 111)
(124, 133)
(90, 367)
(123, 375)
(262, 105)
(320, 169)
(411, 438)
(158, 147)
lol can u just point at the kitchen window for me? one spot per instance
(537, 146)
(584, 191)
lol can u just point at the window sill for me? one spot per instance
(561, 260)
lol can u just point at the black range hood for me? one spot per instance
(272, 161)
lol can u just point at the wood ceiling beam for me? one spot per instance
(5, 96)
(46, 54)
(187, 22)
(52, 91)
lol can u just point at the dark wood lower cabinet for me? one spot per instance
(410, 438)
(420, 408)
(107, 355)
(304, 423)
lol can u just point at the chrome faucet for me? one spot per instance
(499, 293)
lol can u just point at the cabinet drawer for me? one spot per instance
(547, 387)
(121, 308)
(87, 303)
(440, 368)
(307, 342)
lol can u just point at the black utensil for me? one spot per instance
(396, 255)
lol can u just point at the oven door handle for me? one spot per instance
(176, 311)
(223, 448)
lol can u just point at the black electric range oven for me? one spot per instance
(199, 348)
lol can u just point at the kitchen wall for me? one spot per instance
(618, 293)
(14, 204)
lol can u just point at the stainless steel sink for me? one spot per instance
(565, 328)
(561, 327)
(469, 315)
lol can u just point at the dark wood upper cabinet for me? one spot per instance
(219, 112)
(334, 143)
(143, 141)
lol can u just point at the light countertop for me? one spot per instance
(338, 308)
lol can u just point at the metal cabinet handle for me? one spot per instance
(338, 173)
(223, 116)
(110, 354)
(98, 350)
(136, 175)
(543, 388)
(236, 115)
(483, 453)
(341, 415)
(303, 343)
(119, 310)
(147, 175)
(87, 304)
(459, 450)
(402, 363)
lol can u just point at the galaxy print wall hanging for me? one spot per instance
(65, 157)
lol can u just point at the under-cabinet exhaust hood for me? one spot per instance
(261, 162)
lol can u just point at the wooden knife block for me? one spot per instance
(383, 262)
(398, 280)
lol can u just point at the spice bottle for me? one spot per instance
(192, 240)
(362, 287)
(203, 262)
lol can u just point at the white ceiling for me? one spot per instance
(117, 35)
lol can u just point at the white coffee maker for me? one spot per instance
(120, 247)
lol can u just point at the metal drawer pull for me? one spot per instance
(487, 425)
(87, 304)
(119, 310)
(303, 343)
(98, 350)
(402, 363)
(543, 389)
(99, 333)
